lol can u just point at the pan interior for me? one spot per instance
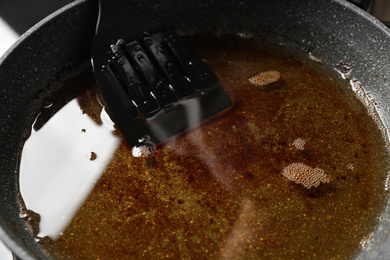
(243, 184)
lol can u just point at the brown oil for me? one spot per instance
(217, 191)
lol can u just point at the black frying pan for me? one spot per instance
(332, 29)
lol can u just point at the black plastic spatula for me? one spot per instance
(152, 84)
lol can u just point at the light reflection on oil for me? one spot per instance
(60, 164)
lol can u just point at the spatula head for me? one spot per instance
(152, 84)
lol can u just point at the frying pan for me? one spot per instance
(334, 30)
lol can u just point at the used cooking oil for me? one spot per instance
(295, 169)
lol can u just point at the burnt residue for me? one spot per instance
(218, 189)
(32, 220)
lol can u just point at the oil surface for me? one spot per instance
(219, 189)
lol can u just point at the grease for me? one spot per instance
(218, 190)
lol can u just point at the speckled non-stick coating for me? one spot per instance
(331, 30)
